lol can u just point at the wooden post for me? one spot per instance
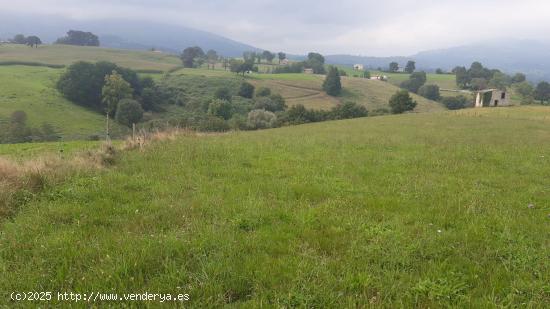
(107, 137)
(133, 131)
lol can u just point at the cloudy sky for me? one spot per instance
(361, 27)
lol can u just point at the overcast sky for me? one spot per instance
(361, 27)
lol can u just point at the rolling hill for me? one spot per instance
(31, 88)
(417, 210)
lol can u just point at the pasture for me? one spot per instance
(416, 210)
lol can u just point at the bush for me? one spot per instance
(274, 103)
(213, 124)
(261, 119)
(430, 92)
(401, 102)
(457, 102)
(223, 94)
(220, 108)
(415, 81)
(128, 112)
(349, 110)
(238, 122)
(246, 90)
(263, 92)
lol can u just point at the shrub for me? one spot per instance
(430, 92)
(220, 108)
(261, 119)
(274, 103)
(416, 80)
(238, 122)
(263, 92)
(213, 124)
(401, 102)
(349, 110)
(128, 112)
(246, 90)
(223, 94)
(457, 102)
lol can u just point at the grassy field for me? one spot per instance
(32, 90)
(26, 151)
(420, 210)
(66, 54)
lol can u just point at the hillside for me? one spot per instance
(32, 90)
(123, 33)
(66, 55)
(417, 210)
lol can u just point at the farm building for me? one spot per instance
(285, 62)
(359, 67)
(498, 98)
(308, 71)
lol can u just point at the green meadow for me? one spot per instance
(422, 210)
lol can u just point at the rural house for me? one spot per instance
(308, 71)
(359, 67)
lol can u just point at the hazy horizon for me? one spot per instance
(355, 27)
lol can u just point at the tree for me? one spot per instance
(316, 62)
(333, 85)
(410, 67)
(261, 119)
(416, 80)
(19, 39)
(220, 108)
(246, 90)
(150, 98)
(430, 92)
(366, 74)
(282, 56)
(525, 90)
(478, 83)
(33, 41)
(542, 92)
(519, 78)
(394, 67)
(223, 94)
(274, 103)
(115, 90)
(212, 58)
(80, 38)
(401, 102)
(439, 71)
(500, 81)
(269, 56)
(128, 112)
(192, 57)
(462, 77)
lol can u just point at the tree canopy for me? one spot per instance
(401, 102)
(333, 84)
(192, 57)
(80, 38)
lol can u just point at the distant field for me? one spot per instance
(66, 54)
(32, 90)
(410, 211)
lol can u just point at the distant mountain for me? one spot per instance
(127, 34)
(511, 56)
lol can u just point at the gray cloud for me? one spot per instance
(366, 27)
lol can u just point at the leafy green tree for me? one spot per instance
(366, 74)
(525, 90)
(274, 103)
(150, 97)
(430, 92)
(80, 38)
(223, 94)
(261, 119)
(19, 39)
(212, 58)
(269, 56)
(542, 92)
(263, 92)
(246, 90)
(192, 56)
(500, 81)
(478, 83)
(115, 90)
(332, 84)
(33, 41)
(128, 112)
(281, 56)
(220, 108)
(415, 81)
(394, 67)
(410, 67)
(462, 77)
(402, 102)
(439, 71)
(519, 78)
(316, 62)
